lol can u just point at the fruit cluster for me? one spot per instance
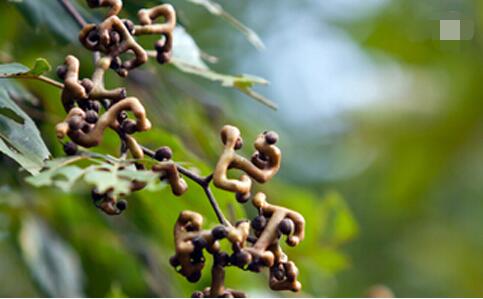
(91, 109)
(254, 245)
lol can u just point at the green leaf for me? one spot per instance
(53, 263)
(187, 58)
(216, 9)
(51, 14)
(102, 173)
(17, 92)
(40, 67)
(19, 137)
(12, 70)
(62, 176)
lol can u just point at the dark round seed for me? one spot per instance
(91, 116)
(86, 128)
(115, 63)
(129, 25)
(84, 105)
(75, 123)
(199, 242)
(286, 226)
(219, 232)
(115, 37)
(70, 148)
(87, 84)
(255, 265)
(62, 71)
(194, 277)
(163, 153)
(222, 259)
(106, 103)
(271, 137)
(121, 204)
(174, 262)
(128, 126)
(163, 57)
(96, 106)
(240, 258)
(258, 223)
(241, 197)
(196, 257)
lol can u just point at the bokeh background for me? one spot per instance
(381, 127)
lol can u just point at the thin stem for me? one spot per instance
(216, 207)
(73, 12)
(34, 77)
(78, 18)
(204, 182)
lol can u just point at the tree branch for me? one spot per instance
(204, 183)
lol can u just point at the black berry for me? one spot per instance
(96, 106)
(242, 197)
(62, 71)
(87, 84)
(174, 262)
(116, 63)
(219, 232)
(271, 137)
(128, 126)
(121, 204)
(91, 116)
(240, 258)
(199, 242)
(286, 226)
(75, 123)
(129, 25)
(194, 277)
(86, 128)
(196, 257)
(163, 153)
(70, 148)
(258, 223)
(222, 259)
(255, 265)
